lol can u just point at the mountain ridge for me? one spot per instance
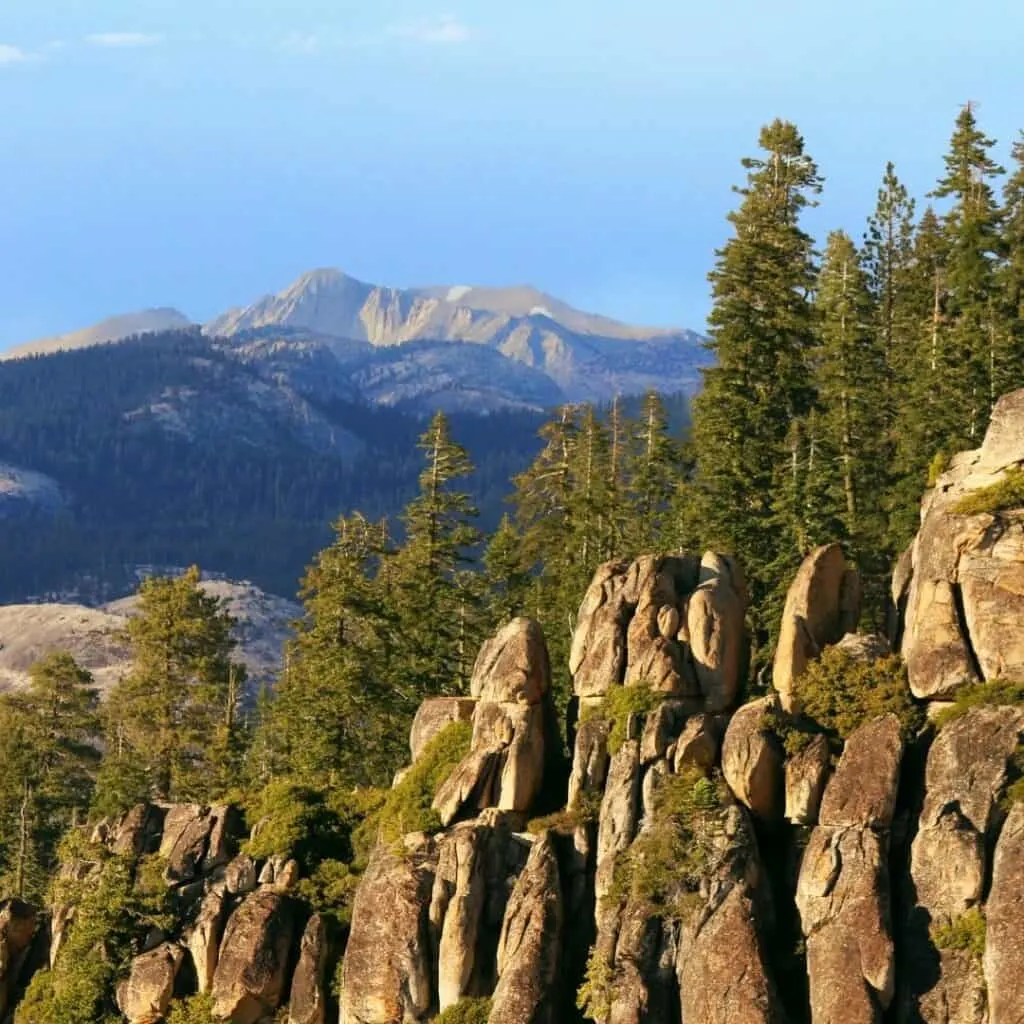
(542, 351)
(589, 356)
(108, 331)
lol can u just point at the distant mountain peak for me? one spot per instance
(113, 329)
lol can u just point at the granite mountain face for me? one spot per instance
(451, 347)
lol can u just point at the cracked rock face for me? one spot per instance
(822, 605)
(963, 580)
(843, 890)
(1004, 941)
(670, 622)
(511, 722)
(966, 772)
(722, 963)
(529, 947)
(388, 970)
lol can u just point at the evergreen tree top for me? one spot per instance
(968, 165)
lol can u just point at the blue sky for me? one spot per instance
(199, 153)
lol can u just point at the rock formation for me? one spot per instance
(823, 604)
(512, 727)
(709, 862)
(963, 584)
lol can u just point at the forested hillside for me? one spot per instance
(172, 449)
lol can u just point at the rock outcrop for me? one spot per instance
(19, 923)
(513, 727)
(753, 761)
(963, 586)
(822, 605)
(529, 947)
(723, 964)
(307, 999)
(843, 890)
(388, 971)
(249, 982)
(706, 863)
(1004, 914)
(966, 774)
(145, 995)
(433, 716)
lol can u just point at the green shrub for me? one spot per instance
(196, 1009)
(996, 693)
(407, 807)
(965, 933)
(100, 944)
(466, 1011)
(330, 890)
(665, 864)
(838, 693)
(938, 466)
(618, 704)
(584, 809)
(594, 996)
(1005, 494)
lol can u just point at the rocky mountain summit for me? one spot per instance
(328, 335)
(846, 846)
(588, 357)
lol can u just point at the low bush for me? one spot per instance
(407, 807)
(618, 704)
(838, 693)
(594, 996)
(1005, 494)
(938, 466)
(330, 890)
(665, 864)
(965, 933)
(584, 810)
(997, 693)
(196, 1009)
(466, 1011)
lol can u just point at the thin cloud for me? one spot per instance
(13, 54)
(446, 30)
(123, 40)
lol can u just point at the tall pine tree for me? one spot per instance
(167, 716)
(430, 597)
(976, 336)
(762, 335)
(1009, 370)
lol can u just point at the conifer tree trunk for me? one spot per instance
(23, 837)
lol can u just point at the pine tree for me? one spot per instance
(546, 512)
(762, 336)
(1009, 369)
(922, 426)
(972, 229)
(49, 760)
(616, 484)
(589, 477)
(887, 257)
(165, 716)
(430, 596)
(655, 471)
(508, 578)
(340, 706)
(852, 377)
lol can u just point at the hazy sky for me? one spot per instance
(198, 153)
